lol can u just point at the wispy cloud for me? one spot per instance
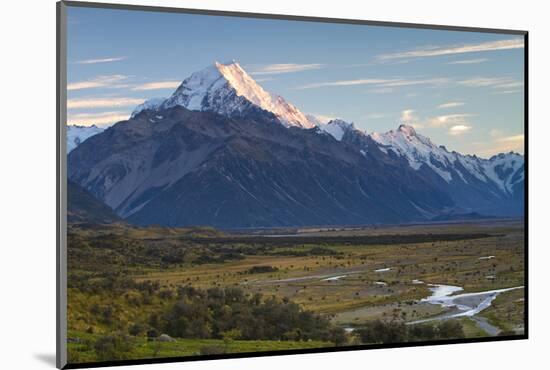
(515, 43)
(413, 82)
(469, 61)
(495, 82)
(388, 85)
(455, 124)
(483, 81)
(379, 82)
(102, 102)
(506, 92)
(121, 81)
(508, 85)
(103, 118)
(272, 69)
(100, 60)
(449, 120)
(407, 115)
(451, 104)
(504, 144)
(365, 81)
(158, 85)
(515, 139)
(458, 130)
(99, 81)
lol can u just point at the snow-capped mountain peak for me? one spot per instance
(407, 130)
(406, 141)
(417, 149)
(227, 89)
(337, 128)
(502, 170)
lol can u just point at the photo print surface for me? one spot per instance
(245, 185)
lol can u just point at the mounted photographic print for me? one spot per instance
(234, 184)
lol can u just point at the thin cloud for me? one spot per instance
(99, 81)
(458, 130)
(469, 61)
(102, 102)
(506, 92)
(455, 124)
(429, 81)
(366, 81)
(449, 120)
(483, 81)
(408, 116)
(515, 139)
(101, 60)
(385, 85)
(510, 85)
(452, 104)
(494, 82)
(506, 144)
(515, 43)
(379, 82)
(272, 69)
(159, 85)
(103, 118)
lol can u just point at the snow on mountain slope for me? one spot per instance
(503, 170)
(337, 128)
(506, 170)
(151, 104)
(417, 149)
(228, 90)
(76, 135)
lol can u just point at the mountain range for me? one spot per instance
(222, 151)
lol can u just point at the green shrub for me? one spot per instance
(215, 312)
(112, 347)
(398, 332)
(136, 329)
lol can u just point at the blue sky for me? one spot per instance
(462, 89)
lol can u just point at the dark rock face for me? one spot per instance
(491, 187)
(83, 207)
(199, 168)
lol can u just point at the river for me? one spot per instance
(463, 305)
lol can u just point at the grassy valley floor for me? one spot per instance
(127, 282)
